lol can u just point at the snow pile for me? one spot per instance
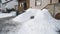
(26, 16)
(40, 25)
(11, 4)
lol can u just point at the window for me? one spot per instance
(38, 2)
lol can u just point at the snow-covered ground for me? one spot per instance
(4, 15)
(43, 23)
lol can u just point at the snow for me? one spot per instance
(42, 24)
(3, 1)
(26, 16)
(11, 4)
(4, 15)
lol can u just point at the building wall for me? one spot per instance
(47, 4)
(55, 1)
(32, 3)
(57, 9)
(44, 3)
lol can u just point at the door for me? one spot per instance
(23, 5)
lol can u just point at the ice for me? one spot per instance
(42, 24)
(26, 16)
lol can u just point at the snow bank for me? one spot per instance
(26, 16)
(4, 15)
(39, 25)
